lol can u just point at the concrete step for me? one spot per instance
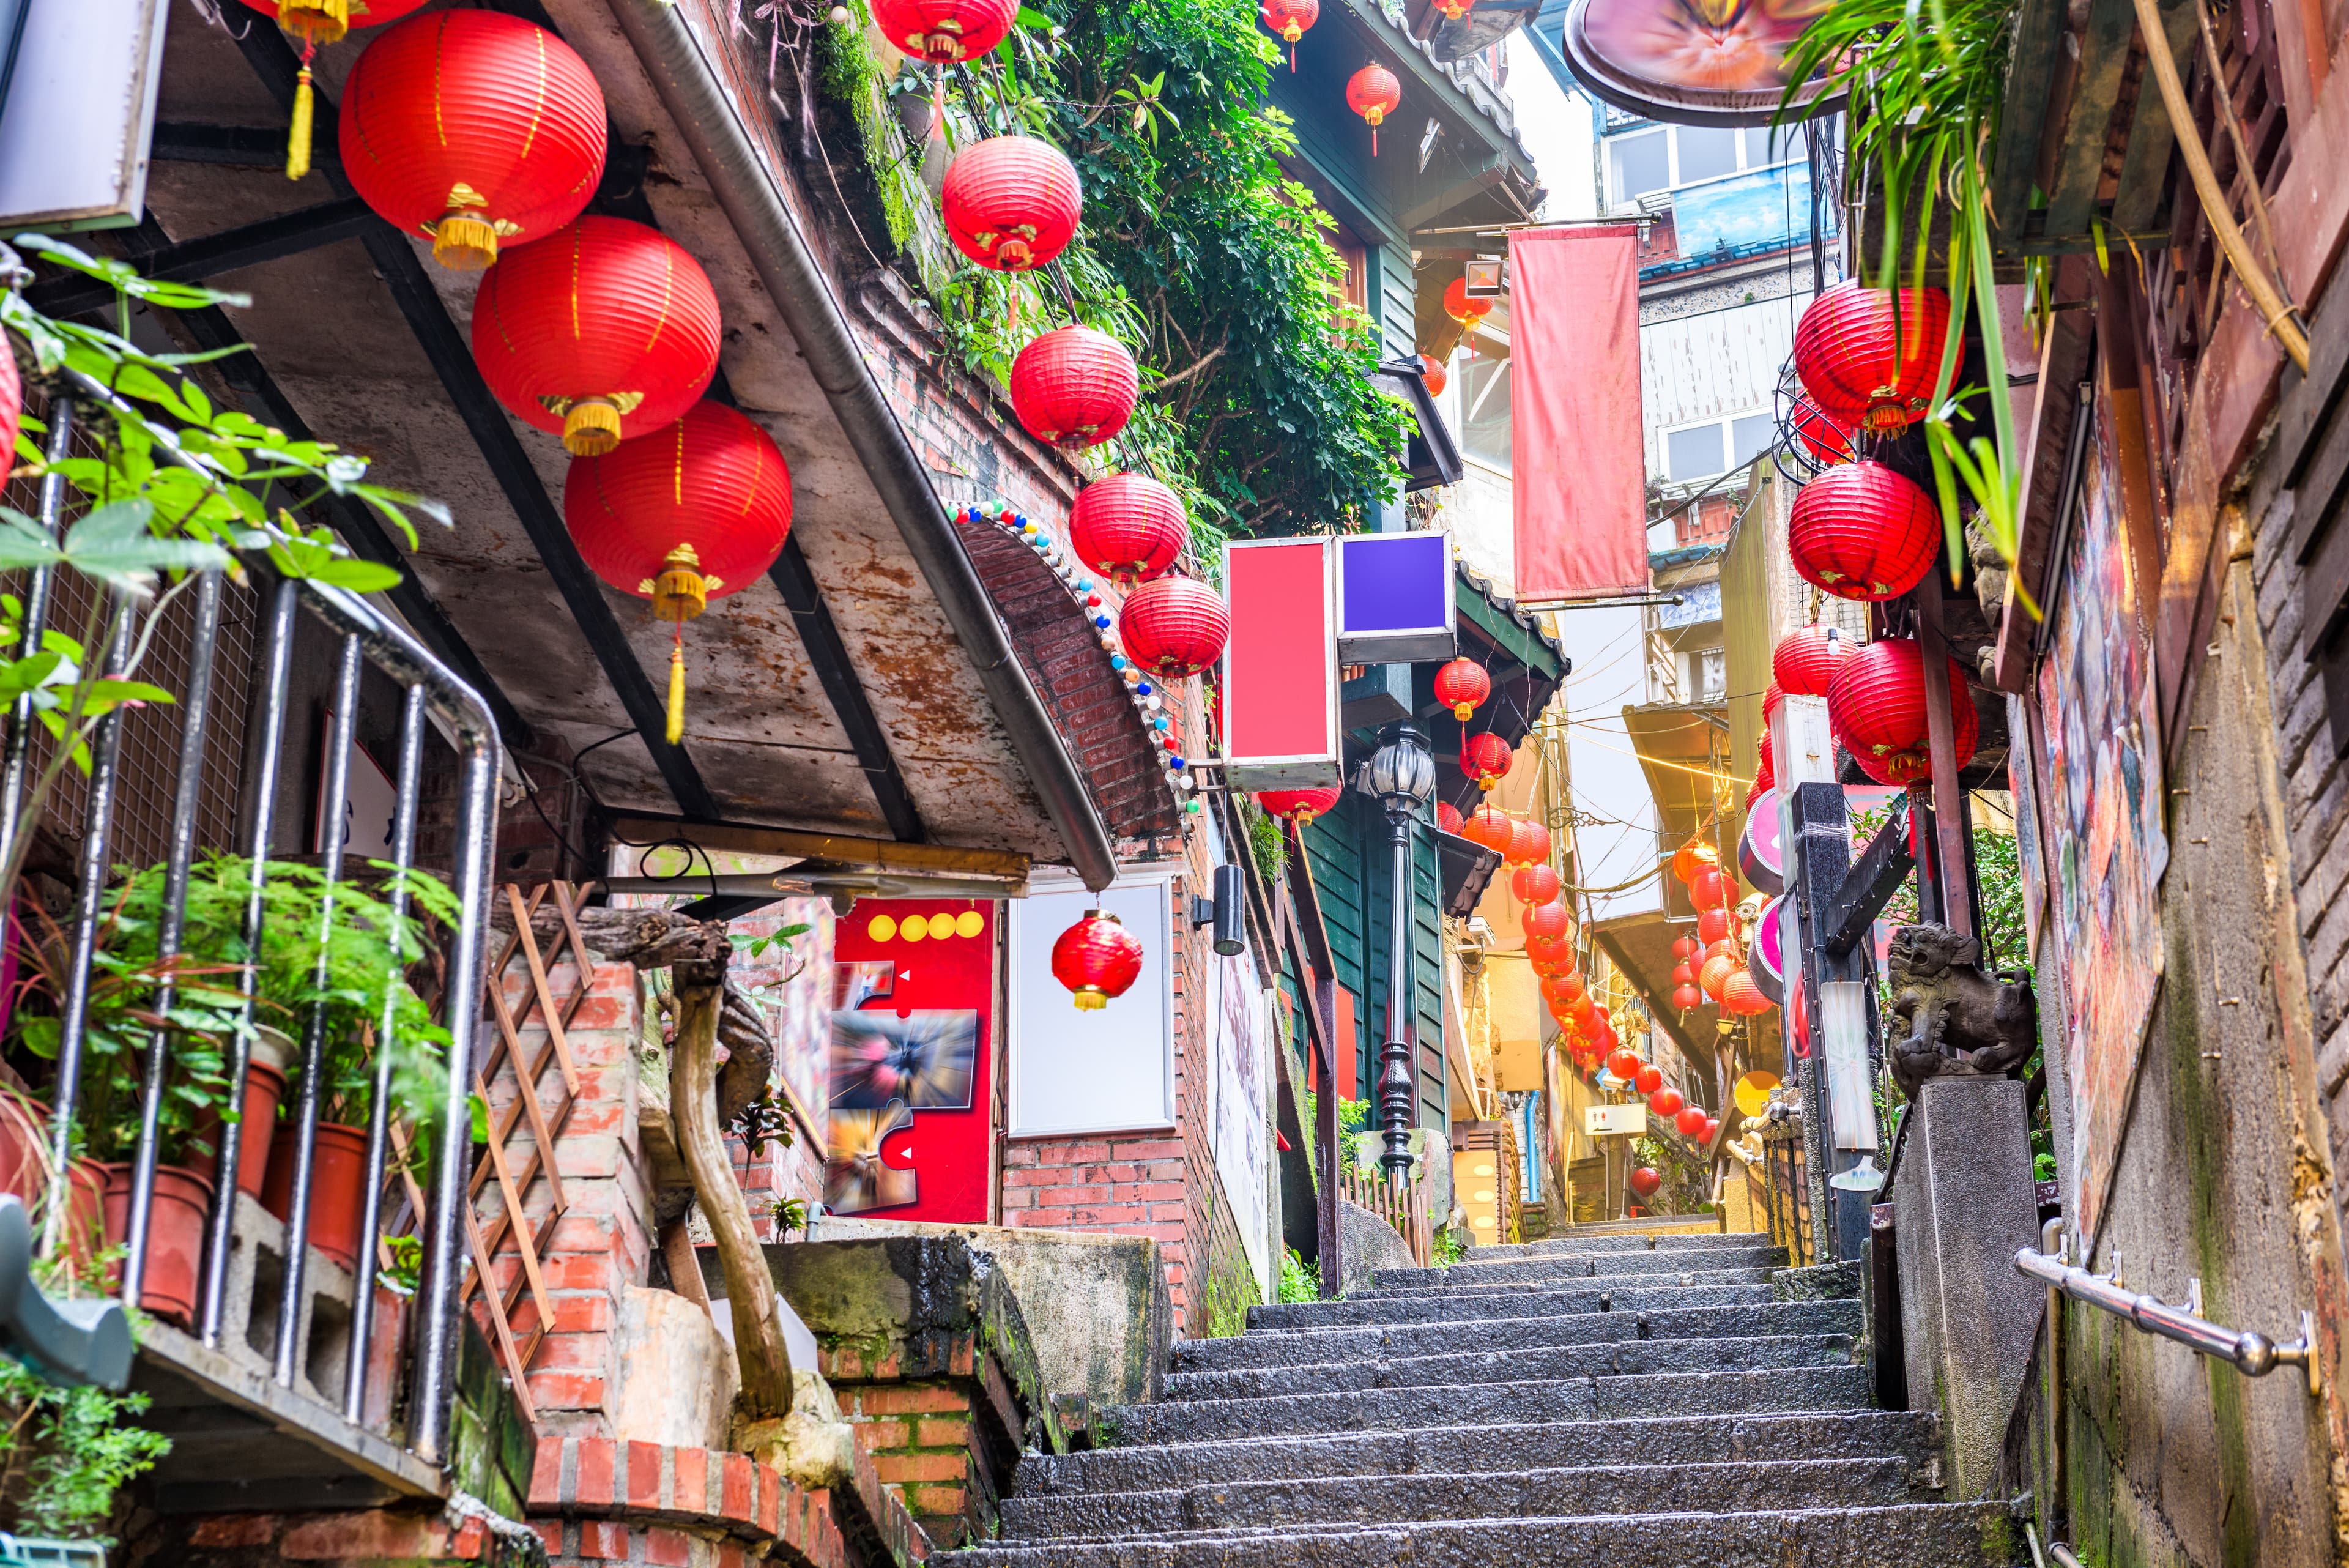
(1450, 1405)
(1617, 1358)
(1573, 1245)
(1398, 1340)
(1459, 1282)
(1586, 1265)
(1467, 1306)
(1486, 1449)
(1902, 1536)
(1524, 1494)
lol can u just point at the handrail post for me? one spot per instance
(2051, 1241)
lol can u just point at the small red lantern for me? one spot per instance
(1684, 947)
(12, 412)
(1711, 1130)
(603, 332)
(1490, 827)
(1715, 974)
(942, 32)
(1665, 1103)
(1683, 973)
(1763, 751)
(1692, 857)
(1129, 527)
(1485, 758)
(1556, 951)
(1709, 889)
(1373, 92)
(1551, 919)
(1536, 883)
(1625, 1065)
(1687, 998)
(685, 515)
(1462, 306)
(1447, 817)
(1723, 946)
(1074, 386)
(1174, 628)
(1585, 1013)
(1691, 1121)
(1645, 1182)
(1462, 685)
(1300, 806)
(1868, 360)
(1434, 376)
(1753, 793)
(1648, 1080)
(1098, 958)
(1528, 842)
(1806, 660)
(1878, 708)
(1454, 9)
(1291, 19)
(1863, 531)
(1011, 203)
(1740, 995)
(1828, 439)
(476, 129)
(1712, 925)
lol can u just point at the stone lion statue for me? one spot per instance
(1949, 1018)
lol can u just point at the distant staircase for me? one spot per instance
(1639, 1401)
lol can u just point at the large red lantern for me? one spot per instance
(941, 32)
(1644, 1182)
(1863, 531)
(1692, 857)
(1536, 883)
(604, 331)
(1174, 628)
(1740, 995)
(1448, 818)
(1691, 1121)
(1665, 1103)
(1462, 686)
(690, 512)
(1715, 974)
(476, 129)
(1300, 806)
(1011, 203)
(1806, 660)
(1646, 1080)
(1098, 958)
(1491, 828)
(1709, 889)
(1625, 1065)
(1528, 842)
(1373, 92)
(1713, 924)
(1463, 306)
(1866, 361)
(1878, 708)
(1129, 527)
(1074, 386)
(1290, 19)
(1485, 758)
(1551, 919)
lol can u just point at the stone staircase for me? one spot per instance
(1643, 1402)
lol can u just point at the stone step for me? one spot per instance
(1311, 1347)
(1449, 1405)
(1548, 1493)
(1617, 1358)
(1459, 1282)
(1573, 1245)
(1465, 1306)
(1483, 1448)
(1900, 1536)
(1586, 1265)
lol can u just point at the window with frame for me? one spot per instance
(1659, 158)
(1716, 446)
(1485, 410)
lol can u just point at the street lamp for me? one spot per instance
(1401, 775)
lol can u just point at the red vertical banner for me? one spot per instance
(1578, 461)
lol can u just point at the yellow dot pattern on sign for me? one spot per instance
(914, 929)
(970, 923)
(882, 928)
(936, 928)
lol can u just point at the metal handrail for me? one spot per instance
(2252, 1354)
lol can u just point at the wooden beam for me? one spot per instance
(2080, 156)
(1870, 882)
(1954, 864)
(2030, 71)
(2151, 136)
(2051, 458)
(880, 854)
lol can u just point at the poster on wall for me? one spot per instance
(2104, 794)
(906, 1059)
(1239, 1125)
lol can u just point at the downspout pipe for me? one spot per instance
(693, 91)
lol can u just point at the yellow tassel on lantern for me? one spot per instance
(677, 689)
(298, 139)
(315, 21)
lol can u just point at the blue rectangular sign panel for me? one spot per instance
(1395, 599)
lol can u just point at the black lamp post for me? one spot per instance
(1401, 775)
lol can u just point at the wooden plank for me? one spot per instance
(2151, 136)
(1870, 882)
(1953, 862)
(2046, 463)
(2080, 158)
(2030, 72)
(879, 854)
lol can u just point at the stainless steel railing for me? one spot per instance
(2253, 1354)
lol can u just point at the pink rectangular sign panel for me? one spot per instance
(1280, 667)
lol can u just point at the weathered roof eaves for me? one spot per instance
(1522, 635)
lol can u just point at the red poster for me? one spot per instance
(912, 1060)
(1579, 470)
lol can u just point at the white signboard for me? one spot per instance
(80, 109)
(1240, 1120)
(1076, 1072)
(1601, 1121)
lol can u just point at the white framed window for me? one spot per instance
(1485, 417)
(1659, 158)
(1715, 446)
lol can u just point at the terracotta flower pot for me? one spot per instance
(175, 1237)
(24, 1148)
(338, 1187)
(264, 1091)
(86, 1215)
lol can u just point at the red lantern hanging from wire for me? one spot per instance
(1863, 531)
(1463, 306)
(1097, 959)
(1448, 818)
(942, 31)
(476, 129)
(1568, 987)
(1292, 19)
(1550, 920)
(1646, 1080)
(1555, 952)
(1877, 707)
(1715, 974)
(1644, 1182)
(1683, 973)
(1708, 891)
(1485, 757)
(1806, 660)
(1826, 438)
(1692, 857)
(1129, 527)
(1528, 842)
(689, 513)
(1740, 995)
(1011, 203)
(1868, 360)
(1300, 806)
(1625, 1065)
(1687, 998)
(604, 331)
(1491, 828)
(1684, 947)
(1772, 695)
(1074, 386)
(1174, 628)
(1536, 883)
(1433, 375)
(1373, 92)
(1665, 1103)
(1690, 1121)
(1462, 686)
(1713, 924)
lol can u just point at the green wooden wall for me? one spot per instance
(1350, 873)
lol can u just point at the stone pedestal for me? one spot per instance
(1965, 1203)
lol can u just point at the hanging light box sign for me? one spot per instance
(1616, 1121)
(1767, 961)
(1760, 847)
(1280, 666)
(1395, 598)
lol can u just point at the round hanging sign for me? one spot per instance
(1752, 1093)
(1696, 62)
(1760, 854)
(1765, 960)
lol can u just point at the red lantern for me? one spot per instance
(1447, 817)
(1878, 708)
(1772, 695)
(1864, 532)
(942, 32)
(1174, 628)
(1684, 947)
(1692, 857)
(1528, 842)
(1740, 995)
(1485, 758)
(1097, 959)
(1490, 827)
(1723, 946)
(605, 331)
(477, 130)
(1763, 751)
(1709, 889)
(1434, 376)
(1644, 1182)
(1300, 806)
(1806, 660)
(1128, 527)
(1074, 386)
(1828, 439)
(1691, 1121)
(1585, 1014)
(1683, 973)
(1536, 884)
(689, 514)
(1554, 951)
(1665, 1103)
(1762, 782)
(1290, 19)
(1462, 685)
(1551, 919)
(1715, 974)
(1687, 998)
(1648, 1080)
(1712, 925)
(1868, 361)
(326, 20)
(12, 411)
(1454, 9)
(1711, 1130)
(1373, 92)
(1011, 203)
(1459, 305)
(1569, 989)
(1625, 1065)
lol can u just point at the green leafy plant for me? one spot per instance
(1299, 1281)
(403, 1267)
(63, 1453)
(790, 1214)
(1450, 1247)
